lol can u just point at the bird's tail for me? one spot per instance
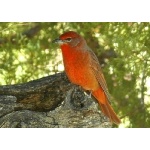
(105, 106)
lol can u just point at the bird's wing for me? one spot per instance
(96, 68)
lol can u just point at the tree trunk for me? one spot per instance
(49, 102)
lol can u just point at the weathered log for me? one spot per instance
(51, 101)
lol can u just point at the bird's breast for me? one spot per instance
(78, 70)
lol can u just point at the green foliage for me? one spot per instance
(26, 53)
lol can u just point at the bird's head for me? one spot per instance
(70, 38)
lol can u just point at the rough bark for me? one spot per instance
(49, 102)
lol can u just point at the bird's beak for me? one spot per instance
(59, 41)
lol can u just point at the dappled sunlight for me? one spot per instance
(27, 53)
(125, 123)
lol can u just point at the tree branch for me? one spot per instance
(48, 102)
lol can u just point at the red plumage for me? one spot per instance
(82, 68)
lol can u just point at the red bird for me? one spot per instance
(82, 68)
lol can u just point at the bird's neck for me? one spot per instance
(69, 54)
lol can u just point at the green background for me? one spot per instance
(123, 49)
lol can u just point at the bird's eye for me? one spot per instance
(68, 39)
